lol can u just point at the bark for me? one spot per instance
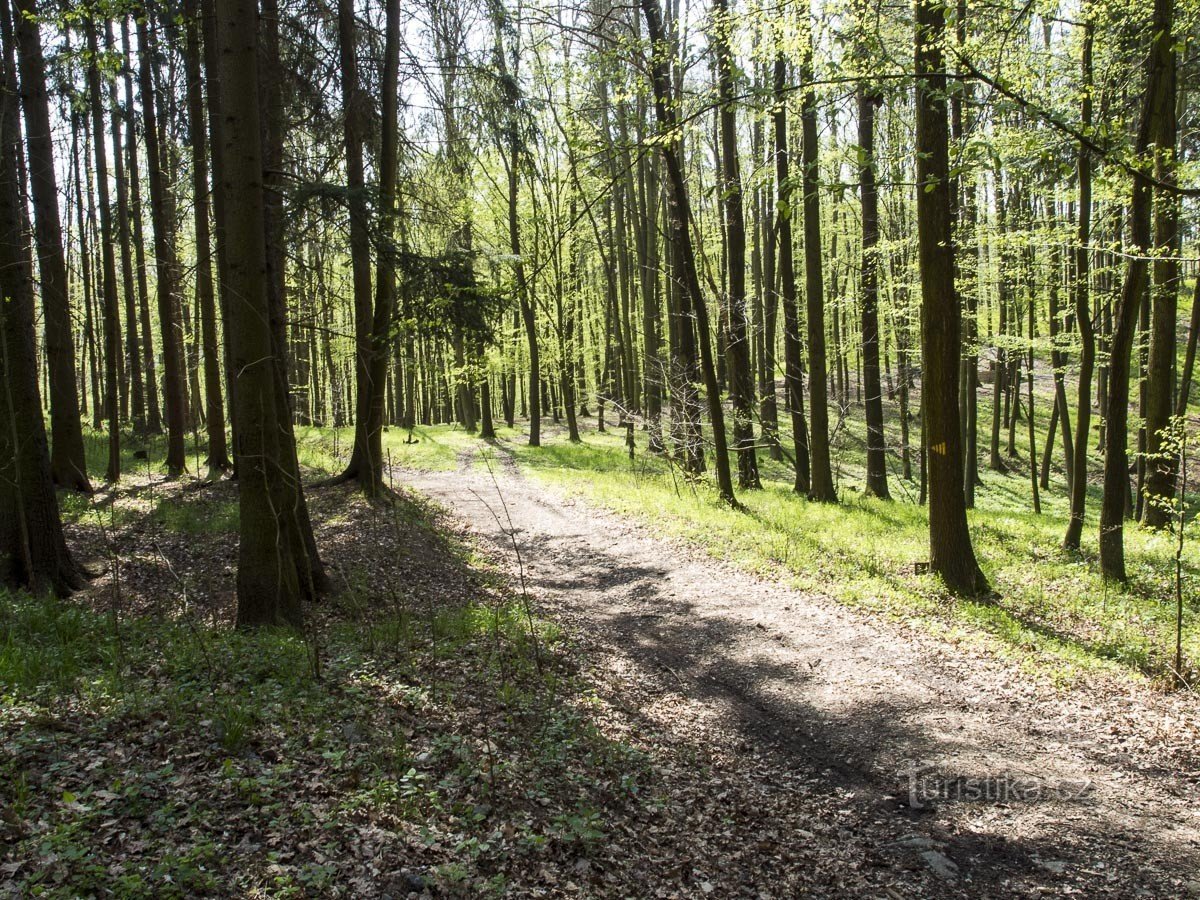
(1081, 295)
(741, 378)
(272, 580)
(821, 483)
(1125, 320)
(166, 260)
(877, 484)
(363, 467)
(149, 367)
(680, 221)
(1160, 458)
(68, 463)
(951, 555)
(214, 417)
(111, 311)
(33, 550)
(793, 368)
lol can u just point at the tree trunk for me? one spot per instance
(680, 222)
(793, 368)
(951, 555)
(877, 484)
(33, 551)
(821, 484)
(218, 450)
(1081, 294)
(272, 580)
(162, 217)
(1159, 79)
(111, 313)
(741, 378)
(68, 463)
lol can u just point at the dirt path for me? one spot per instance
(1082, 796)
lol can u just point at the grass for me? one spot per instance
(158, 757)
(1054, 612)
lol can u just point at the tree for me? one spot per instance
(741, 378)
(273, 578)
(821, 484)
(793, 367)
(166, 258)
(1156, 93)
(680, 218)
(1081, 294)
(68, 464)
(951, 554)
(214, 418)
(877, 484)
(111, 310)
(33, 550)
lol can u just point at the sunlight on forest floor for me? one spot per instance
(1053, 611)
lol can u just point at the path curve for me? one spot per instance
(857, 702)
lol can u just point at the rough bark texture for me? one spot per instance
(741, 378)
(680, 216)
(793, 368)
(1125, 319)
(33, 552)
(1081, 294)
(162, 218)
(271, 580)
(951, 555)
(68, 465)
(214, 406)
(877, 485)
(108, 261)
(821, 482)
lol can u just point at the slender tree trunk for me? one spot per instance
(1081, 294)
(111, 310)
(162, 216)
(821, 483)
(149, 367)
(741, 378)
(1159, 79)
(33, 550)
(363, 467)
(272, 580)
(793, 368)
(1160, 458)
(951, 555)
(680, 219)
(68, 463)
(218, 450)
(877, 484)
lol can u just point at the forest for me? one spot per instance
(533, 448)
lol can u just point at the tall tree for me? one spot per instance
(33, 550)
(680, 217)
(1156, 94)
(951, 554)
(741, 378)
(793, 367)
(166, 258)
(214, 406)
(821, 483)
(877, 484)
(1081, 294)
(68, 463)
(1159, 488)
(273, 578)
(111, 311)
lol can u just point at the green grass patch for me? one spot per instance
(1054, 611)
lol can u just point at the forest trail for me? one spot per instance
(1093, 803)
